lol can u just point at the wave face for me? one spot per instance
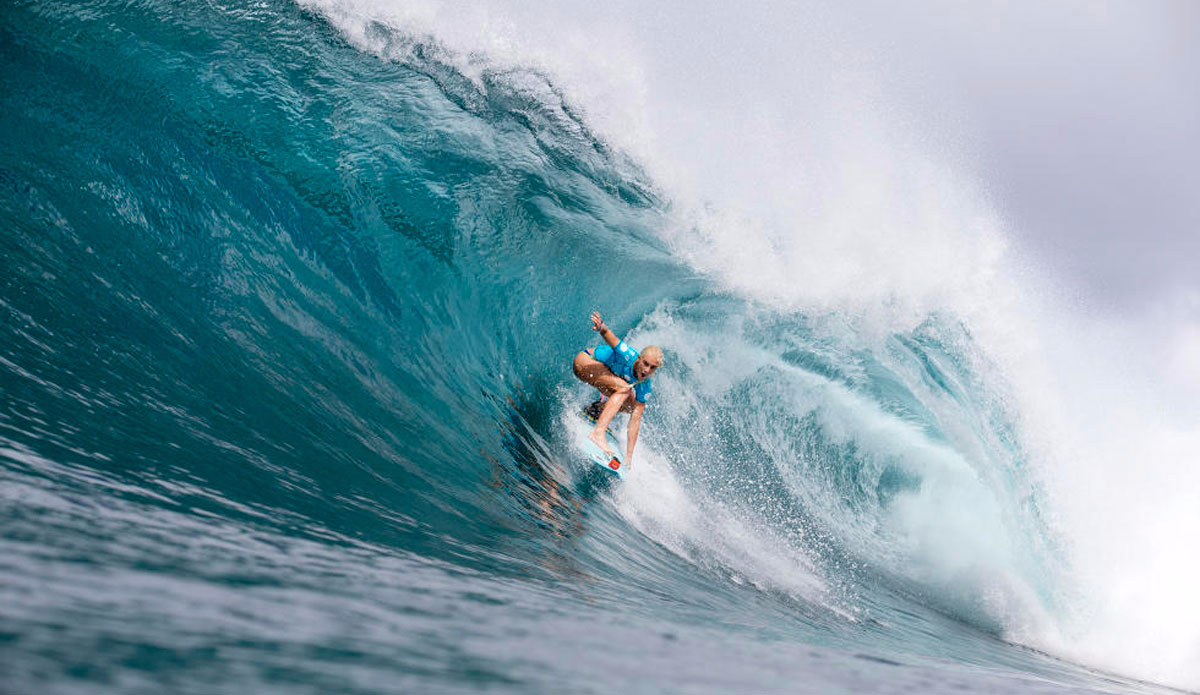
(288, 405)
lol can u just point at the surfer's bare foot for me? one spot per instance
(599, 440)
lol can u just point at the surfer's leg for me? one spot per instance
(614, 403)
(593, 409)
(594, 372)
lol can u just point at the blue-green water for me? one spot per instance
(287, 402)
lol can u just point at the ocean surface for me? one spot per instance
(286, 403)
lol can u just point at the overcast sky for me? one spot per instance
(1086, 116)
(1081, 119)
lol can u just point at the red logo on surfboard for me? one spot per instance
(614, 464)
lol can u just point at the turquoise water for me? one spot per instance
(287, 402)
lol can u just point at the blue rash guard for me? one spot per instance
(620, 361)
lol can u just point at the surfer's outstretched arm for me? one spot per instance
(600, 327)
(635, 424)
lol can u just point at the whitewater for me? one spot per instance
(288, 297)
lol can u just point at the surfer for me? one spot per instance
(622, 375)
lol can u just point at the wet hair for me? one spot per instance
(653, 351)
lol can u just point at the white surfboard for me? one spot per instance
(613, 464)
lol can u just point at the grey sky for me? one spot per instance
(1080, 119)
(1086, 117)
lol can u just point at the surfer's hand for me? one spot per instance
(597, 322)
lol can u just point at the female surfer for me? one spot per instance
(622, 375)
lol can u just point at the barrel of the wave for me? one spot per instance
(621, 374)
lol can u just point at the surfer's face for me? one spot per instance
(643, 367)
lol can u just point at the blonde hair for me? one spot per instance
(653, 351)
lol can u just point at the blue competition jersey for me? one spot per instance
(620, 361)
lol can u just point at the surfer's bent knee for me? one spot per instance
(583, 359)
(597, 374)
